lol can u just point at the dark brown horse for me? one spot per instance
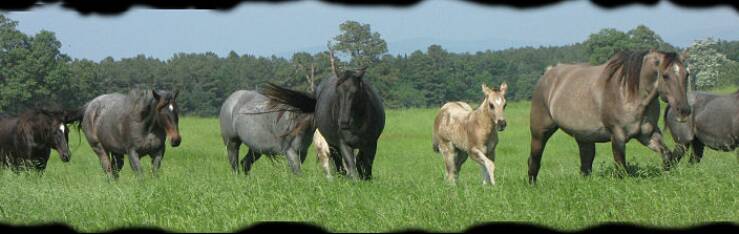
(615, 102)
(26, 140)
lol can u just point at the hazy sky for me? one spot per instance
(266, 28)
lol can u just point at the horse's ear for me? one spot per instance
(176, 92)
(684, 55)
(485, 88)
(155, 94)
(504, 87)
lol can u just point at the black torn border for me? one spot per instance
(504, 227)
(117, 7)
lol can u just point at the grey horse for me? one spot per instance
(136, 124)
(713, 123)
(247, 117)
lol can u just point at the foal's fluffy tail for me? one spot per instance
(277, 95)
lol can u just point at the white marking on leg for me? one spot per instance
(676, 68)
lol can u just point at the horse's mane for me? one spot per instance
(628, 65)
(143, 101)
(36, 122)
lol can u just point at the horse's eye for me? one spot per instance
(666, 77)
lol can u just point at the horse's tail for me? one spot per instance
(277, 95)
(75, 115)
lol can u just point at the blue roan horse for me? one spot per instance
(136, 124)
(246, 117)
(713, 123)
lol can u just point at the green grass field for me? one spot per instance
(197, 192)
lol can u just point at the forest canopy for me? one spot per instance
(33, 70)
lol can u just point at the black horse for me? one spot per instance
(26, 140)
(349, 114)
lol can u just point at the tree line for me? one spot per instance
(33, 70)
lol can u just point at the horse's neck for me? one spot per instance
(482, 115)
(645, 93)
(147, 124)
(365, 103)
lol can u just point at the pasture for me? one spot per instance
(196, 190)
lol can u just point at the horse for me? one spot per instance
(26, 140)
(615, 101)
(136, 124)
(460, 131)
(714, 123)
(247, 117)
(348, 112)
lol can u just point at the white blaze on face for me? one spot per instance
(676, 69)
(498, 101)
(171, 108)
(61, 127)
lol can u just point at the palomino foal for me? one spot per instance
(323, 152)
(459, 131)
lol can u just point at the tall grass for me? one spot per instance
(196, 190)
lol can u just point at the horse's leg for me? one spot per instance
(484, 171)
(338, 161)
(655, 143)
(489, 166)
(459, 160)
(251, 157)
(156, 161)
(539, 138)
(365, 158)
(618, 145)
(449, 154)
(232, 146)
(104, 159)
(587, 154)
(679, 151)
(133, 158)
(292, 160)
(323, 161)
(698, 148)
(347, 154)
(117, 163)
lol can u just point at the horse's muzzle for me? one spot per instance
(500, 125)
(65, 157)
(683, 114)
(175, 141)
